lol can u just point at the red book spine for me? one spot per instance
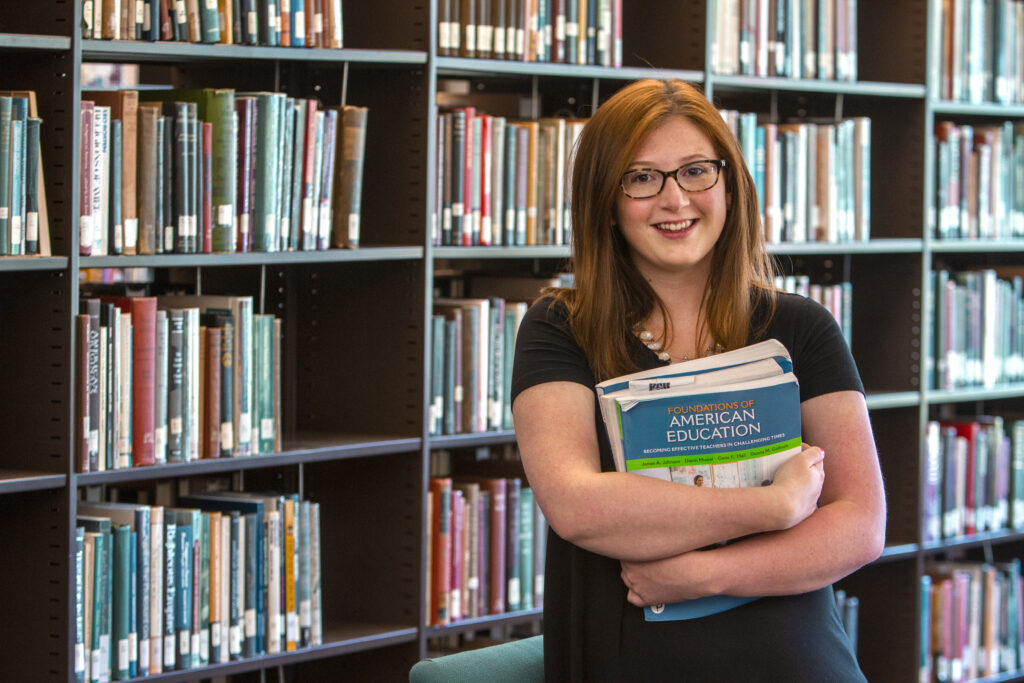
(458, 548)
(166, 30)
(85, 226)
(211, 394)
(207, 187)
(143, 312)
(497, 488)
(441, 569)
(309, 216)
(486, 180)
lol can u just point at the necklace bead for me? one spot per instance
(647, 337)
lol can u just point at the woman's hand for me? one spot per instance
(660, 581)
(798, 485)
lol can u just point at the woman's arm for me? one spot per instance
(629, 516)
(846, 532)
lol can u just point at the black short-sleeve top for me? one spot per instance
(591, 632)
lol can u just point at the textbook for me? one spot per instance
(724, 421)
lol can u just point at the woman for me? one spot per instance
(667, 246)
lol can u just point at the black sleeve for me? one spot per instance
(546, 350)
(822, 361)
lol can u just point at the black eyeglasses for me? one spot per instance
(696, 176)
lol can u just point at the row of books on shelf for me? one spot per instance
(21, 185)
(212, 170)
(289, 23)
(785, 38)
(175, 379)
(813, 178)
(837, 298)
(486, 545)
(979, 181)
(971, 620)
(502, 182)
(982, 51)
(219, 577)
(473, 345)
(559, 31)
(978, 323)
(974, 477)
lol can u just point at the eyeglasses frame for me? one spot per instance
(718, 163)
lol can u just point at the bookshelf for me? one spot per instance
(359, 318)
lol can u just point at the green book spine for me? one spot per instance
(509, 342)
(526, 572)
(32, 186)
(5, 174)
(96, 668)
(265, 212)
(219, 106)
(513, 589)
(121, 606)
(209, 21)
(175, 385)
(496, 371)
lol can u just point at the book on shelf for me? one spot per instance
(24, 222)
(725, 421)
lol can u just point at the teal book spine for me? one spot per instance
(513, 590)
(121, 606)
(253, 606)
(96, 668)
(115, 226)
(236, 602)
(133, 602)
(436, 373)
(79, 604)
(298, 114)
(5, 175)
(32, 186)
(265, 228)
(526, 571)
(170, 592)
(17, 185)
(285, 185)
(264, 325)
(183, 592)
(509, 343)
(496, 360)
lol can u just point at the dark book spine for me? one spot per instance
(165, 184)
(458, 166)
(91, 307)
(32, 186)
(175, 385)
(170, 592)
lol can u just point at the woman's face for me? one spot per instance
(673, 232)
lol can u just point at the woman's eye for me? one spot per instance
(642, 177)
(694, 171)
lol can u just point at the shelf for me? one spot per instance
(468, 625)
(878, 246)
(898, 399)
(975, 246)
(460, 66)
(965, 394)
(25, 263)
(974, 540)
(163, 51)
(15, 41)
(809, 85)
(250, 258)
(20, 482)
(305, 449)
(551, 251)
(473, 440)
(337, 641)
(949, 108)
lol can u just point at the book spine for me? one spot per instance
(350, 177)
(175, 385)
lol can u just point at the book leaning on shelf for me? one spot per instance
(725, 421)
(24, 227)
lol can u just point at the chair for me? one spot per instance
(517, 661)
